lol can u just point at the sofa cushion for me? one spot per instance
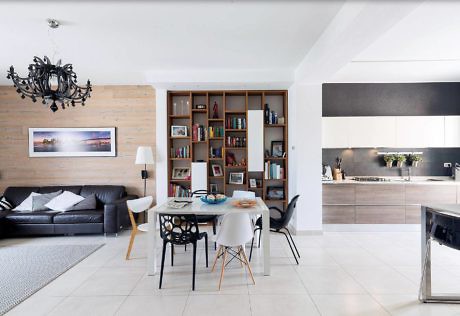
(39, 201)
(105, 194)
(89, 203)
(5, 205)
(26, 205)
(72, 188)
(18, 194)
(78, 217)
(64, 201)
(39, 217)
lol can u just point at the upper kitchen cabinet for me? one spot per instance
(452, 131)
(419, 131)
(371, 132)
(335, 132)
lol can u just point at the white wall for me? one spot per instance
(307, 156)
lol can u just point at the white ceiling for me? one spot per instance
(114, 42)
(423, 46)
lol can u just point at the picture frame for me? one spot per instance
(236, 178)
(252, 183)
(275, 193)
(277, 148)
(181, 173)
(179, 131)
(213, 188)
(217, 170)
(72, 142)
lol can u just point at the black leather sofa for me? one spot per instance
(110, 215)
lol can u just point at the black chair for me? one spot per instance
(279, 225)
(204, 219)
(180, 229)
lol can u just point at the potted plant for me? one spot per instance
(389, 160)
(400, 160)
(415, 159)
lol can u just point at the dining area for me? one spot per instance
(179, 233)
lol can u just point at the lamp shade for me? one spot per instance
(144, 155)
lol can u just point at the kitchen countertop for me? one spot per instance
(399, 180)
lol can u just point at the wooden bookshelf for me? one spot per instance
(231, 104)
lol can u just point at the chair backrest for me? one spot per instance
(235, 230)
(179, 229)
(198, 193)
(140, 205)
(289, 211)
(237, 194)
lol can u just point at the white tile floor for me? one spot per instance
(339, 274)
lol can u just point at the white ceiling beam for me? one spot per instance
(355, 27)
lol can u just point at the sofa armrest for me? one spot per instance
(116, 215)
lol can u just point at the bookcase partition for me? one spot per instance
(211, 126)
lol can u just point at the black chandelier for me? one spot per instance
(51, 83)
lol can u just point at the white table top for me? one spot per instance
(200, 208)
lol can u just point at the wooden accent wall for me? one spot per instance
(131, 109)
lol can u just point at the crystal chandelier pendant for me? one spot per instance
(56, 85)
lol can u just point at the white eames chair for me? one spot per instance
(137, 206)
(235, 231)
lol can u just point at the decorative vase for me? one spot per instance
(415, 163)
(400, 164)
(389, 164)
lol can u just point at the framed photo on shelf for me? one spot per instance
(178, 131)
(275, 193)
(236, 178)
(182, 173)
(252, 183)
(277, 148)
(217, 171)
(213, 188)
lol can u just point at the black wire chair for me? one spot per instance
(204, 219)
(180, 229)
(279, 225)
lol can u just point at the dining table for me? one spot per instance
(198, 207)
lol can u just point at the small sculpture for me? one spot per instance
(243, 162)
(215, 110)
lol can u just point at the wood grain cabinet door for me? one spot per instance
(338, 214)
(381, 214)
(338, 194)
(380, 194)
(426, 194)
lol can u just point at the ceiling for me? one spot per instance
(423, 46)
(119, 42)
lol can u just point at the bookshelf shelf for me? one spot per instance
(232, 108)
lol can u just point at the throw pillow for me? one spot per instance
(89, 203)
(5, 205)
(26, 205)
(39, 201)
(64, 201)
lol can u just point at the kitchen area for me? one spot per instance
(388, 148)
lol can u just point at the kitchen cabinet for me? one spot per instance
(452, 131)
(338, 214)
(382, 214)
(383, 194)
(368, 132)
(335, 132)
(419, 131)
(339, 194)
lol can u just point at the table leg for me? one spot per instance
(426, 256)
(151, 244)
(266, 240)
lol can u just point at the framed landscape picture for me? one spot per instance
(236, 178)
(182, 173)
(72, 142)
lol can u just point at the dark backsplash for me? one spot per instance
(366, 162)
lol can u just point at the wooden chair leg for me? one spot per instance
(249, 268)
(223, 267)
(131, 242)
(240, 256)
(215, 260)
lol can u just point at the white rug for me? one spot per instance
(26, 269)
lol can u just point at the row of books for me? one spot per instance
(233, 141)
(181, 152)
(235, 123)
(179, 191)
(215, 152)
(216, 131)
(199, 133)
(273, 171)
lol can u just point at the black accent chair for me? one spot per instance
(204, 219)
(180, 229)
(277, 225)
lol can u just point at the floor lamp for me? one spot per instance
(144, 157)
